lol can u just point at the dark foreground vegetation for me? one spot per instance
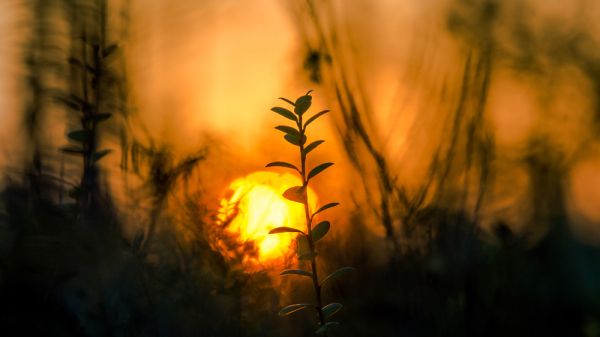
(78, 259)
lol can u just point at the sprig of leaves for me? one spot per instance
(306, 241)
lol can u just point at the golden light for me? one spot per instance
(254, 205)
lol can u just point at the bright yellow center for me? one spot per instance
(255, 205)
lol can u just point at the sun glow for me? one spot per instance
(254, 205)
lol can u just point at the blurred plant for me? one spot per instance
(306, 241)
(463, 152)
(162, 172)
(94, 91)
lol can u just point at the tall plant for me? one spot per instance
(306, 240)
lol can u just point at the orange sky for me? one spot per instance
(213, 69)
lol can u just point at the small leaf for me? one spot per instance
(278, 230)
(331, 309)
(338, 273)
(294, 140)
(109, 50)
(328, 326)
(282, 164)
(78, 135)
(295, 193)
(98, 155)
(320, 230)
(72, 150)
(292, 308)
(318, 170)
(302, 104)
(98, 117)
(69, 103)
(311, 147)
(313, 118)
(288, 130)
(296, 272)
(291, 135)
(287, 100)
(285, 113)
(327, 206)
(76, 62)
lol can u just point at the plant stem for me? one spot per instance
(311, 244)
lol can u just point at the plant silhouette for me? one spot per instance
(306, 241)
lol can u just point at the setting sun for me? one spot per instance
(254, 205)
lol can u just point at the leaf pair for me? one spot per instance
(302, 104)
(291, 116)
(292, 135)
(305, 152)
(328, 310)
(317, 233)
(302, 243)
(300, 107)
(303, 247)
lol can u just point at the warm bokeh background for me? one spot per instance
(465, 135)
